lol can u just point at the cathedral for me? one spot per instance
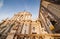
(21, 26)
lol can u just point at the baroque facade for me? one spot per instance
(21, 26)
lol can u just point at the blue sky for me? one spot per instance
(9, 7)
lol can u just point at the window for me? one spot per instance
(34, 28)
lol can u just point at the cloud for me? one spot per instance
(1, 3)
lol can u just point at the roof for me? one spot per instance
(24, 13)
